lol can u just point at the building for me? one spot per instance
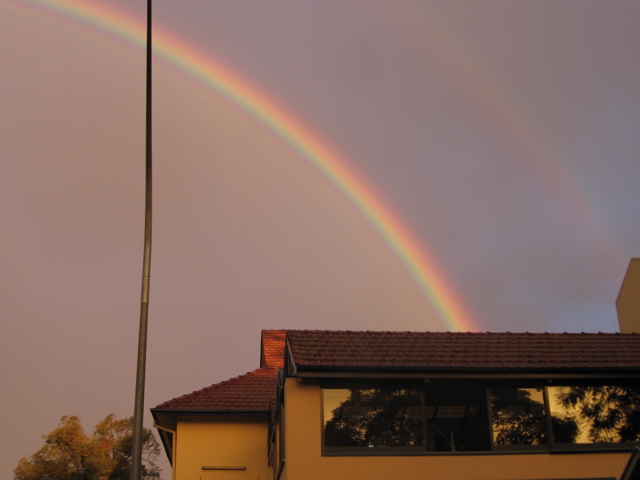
(327, 404)
(415, 405)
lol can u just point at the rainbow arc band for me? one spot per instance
(422, 268)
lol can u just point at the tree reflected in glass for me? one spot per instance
(376, 417)
(517, 416)
(602, 413)
(474, 415)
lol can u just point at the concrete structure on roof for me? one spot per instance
(415, 405)
(628, 301)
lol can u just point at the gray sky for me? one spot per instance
(503, 134)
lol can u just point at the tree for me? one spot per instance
(375, 418)
(70, 454)
(519, 419)
(609, 413)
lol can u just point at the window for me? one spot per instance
(456, 417)
(518, 416)
(588, 413)
(373, 417)
(477, 416)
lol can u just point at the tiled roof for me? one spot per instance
(423, 351)
(251, 392)
(343, 350)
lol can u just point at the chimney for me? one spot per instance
(628, 301)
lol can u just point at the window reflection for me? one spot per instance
(518, 416)
(445, 415)
(374, 417)
(456, 416)
(595, 414)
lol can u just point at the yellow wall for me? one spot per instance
(205, 441)
(304, 461)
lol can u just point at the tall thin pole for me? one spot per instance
(138, 413)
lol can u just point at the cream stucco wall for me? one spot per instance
(304, 461)
(231, 442)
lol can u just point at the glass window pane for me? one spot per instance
(456, 417)
(595, 413)
(372, 417)
(518, 416)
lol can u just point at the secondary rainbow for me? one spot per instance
(212, 73)
(498, 101)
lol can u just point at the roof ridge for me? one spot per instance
(430, 332)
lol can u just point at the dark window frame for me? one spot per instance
(425, 386)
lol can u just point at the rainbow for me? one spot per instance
(213, 74)
(499, 103)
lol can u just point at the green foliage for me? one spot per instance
(70, 454)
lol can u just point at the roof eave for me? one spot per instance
(320, 371)
(206, 411)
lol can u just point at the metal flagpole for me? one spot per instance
(138, 413)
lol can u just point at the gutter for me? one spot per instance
(200, 412)
(421, 373)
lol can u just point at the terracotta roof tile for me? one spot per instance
(251, 392)
(425, 351)
(450, 350)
